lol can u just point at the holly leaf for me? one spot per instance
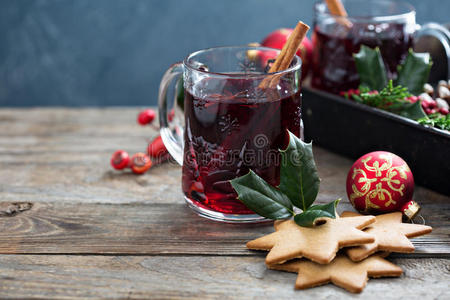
(371, 68)
(299, 179)
(414, 72)
(307, 218)
(299, 185)
(261, 197)
(408, 110)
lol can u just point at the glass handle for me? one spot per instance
(440, 33)
(171, 114)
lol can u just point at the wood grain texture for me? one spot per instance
(137, 237)
(195, 277)
(62, 155)
(156, 229)
(60, 159)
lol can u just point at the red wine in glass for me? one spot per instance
(333, 64)
(228, 134)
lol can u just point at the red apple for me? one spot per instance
(278, 38)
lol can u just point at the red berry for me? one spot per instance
(120, 160)
(443, 110)
(140, 163)
(146, 116)
(197, 191)
(156, 148)
(432, 104)
(412, 99)
(430, 111)
(428, 103)
(171, 115)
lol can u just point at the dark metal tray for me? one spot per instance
(354, 129)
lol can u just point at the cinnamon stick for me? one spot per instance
(286, 55)
(337, 8)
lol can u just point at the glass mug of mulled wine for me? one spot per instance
(389, 25)
(225, 124)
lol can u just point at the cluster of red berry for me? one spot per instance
(436, 100)
(141, 162)
(357, 92)
(429, 105)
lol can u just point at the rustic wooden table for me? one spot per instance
(92, 232)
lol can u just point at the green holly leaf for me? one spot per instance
(261, 197)
(299, 179)
(299, 185)
(414, 72)
(408, 110)
(308, 217)
(370, 67)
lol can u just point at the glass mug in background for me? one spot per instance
(389, 25)
(227, 125)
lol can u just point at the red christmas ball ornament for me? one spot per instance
(279, 37)
(381, 182)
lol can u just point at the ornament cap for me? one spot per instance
(410, 209)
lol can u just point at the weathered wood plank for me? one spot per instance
(157, 229)
(194, 277)
(62, 155)
(87, 178)
(58, 159)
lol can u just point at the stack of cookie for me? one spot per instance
(312, 252)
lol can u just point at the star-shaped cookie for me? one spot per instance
(319, 243)
(390, 235)
(342, 271)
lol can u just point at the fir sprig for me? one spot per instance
(391, 98)
(388, 98)
(436, 120)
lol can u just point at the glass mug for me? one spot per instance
(389, 25)
(224, 124)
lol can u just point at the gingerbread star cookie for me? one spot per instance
(343, 272)
(319, 243)
(390, 235)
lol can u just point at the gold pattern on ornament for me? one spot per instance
(379, 192)
(395, 184)
(376, 165)
(366, 186)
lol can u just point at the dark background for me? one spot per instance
(114, 52)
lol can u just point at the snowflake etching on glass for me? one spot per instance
(227, 125)
(247, 66)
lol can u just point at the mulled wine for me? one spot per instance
(233, 117)
(386, 24)
(333, 64)
(230, 132)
